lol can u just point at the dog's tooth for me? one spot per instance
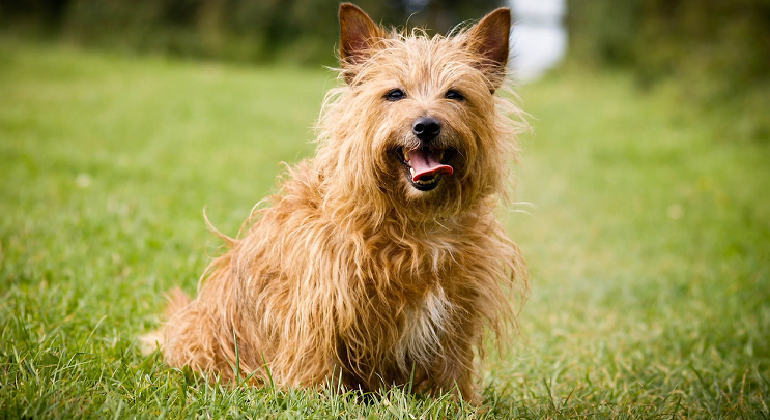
(427, 182)
(412, 171)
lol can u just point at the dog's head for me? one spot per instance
(418, 124)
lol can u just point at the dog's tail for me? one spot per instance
(177, 302)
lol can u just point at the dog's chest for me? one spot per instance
(424, 328)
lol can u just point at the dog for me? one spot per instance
(379, 263)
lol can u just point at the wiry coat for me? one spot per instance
(351, 274)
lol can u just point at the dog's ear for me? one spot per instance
(489, 41)
(358, 36)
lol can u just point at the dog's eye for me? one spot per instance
(395, 95)
(454, 95)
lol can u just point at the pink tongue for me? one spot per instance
(425, 164)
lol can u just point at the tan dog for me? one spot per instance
(380, 260)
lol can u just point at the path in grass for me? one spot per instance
(649, 246)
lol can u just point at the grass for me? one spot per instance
(649, 244)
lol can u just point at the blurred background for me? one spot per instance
(717, 51)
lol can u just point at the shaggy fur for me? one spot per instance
(352, 272)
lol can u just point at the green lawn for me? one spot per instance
(648, 242)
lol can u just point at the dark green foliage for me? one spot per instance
(603, 31)
(664, 37)
(298, 31)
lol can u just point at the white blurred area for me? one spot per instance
(538, 39)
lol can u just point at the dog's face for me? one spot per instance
(419, 119)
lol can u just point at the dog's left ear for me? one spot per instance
(489, 41)
(358, 36)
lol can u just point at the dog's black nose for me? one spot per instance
(426, 128)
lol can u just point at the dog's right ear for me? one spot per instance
(358, 36)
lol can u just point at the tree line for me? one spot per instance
(718, 51)
(299, 31)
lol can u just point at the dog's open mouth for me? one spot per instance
(425, 166)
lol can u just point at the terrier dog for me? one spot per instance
(380, 262)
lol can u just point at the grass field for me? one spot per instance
(648, 243)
